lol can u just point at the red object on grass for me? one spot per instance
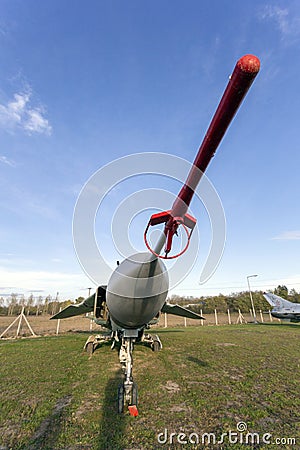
(133, 411)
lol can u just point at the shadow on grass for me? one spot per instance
(197, 361)
(170, 330)
(112, 426)
(281, 325)
(89, 332)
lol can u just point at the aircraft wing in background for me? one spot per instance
(84, 307)
(177, 310)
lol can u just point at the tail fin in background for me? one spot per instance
(276, 301)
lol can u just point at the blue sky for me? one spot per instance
(82, 84)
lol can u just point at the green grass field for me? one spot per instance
(205, 380)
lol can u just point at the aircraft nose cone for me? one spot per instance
(137, 290)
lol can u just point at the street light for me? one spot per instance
(250, 293)
(89, 289)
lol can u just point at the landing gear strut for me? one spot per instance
(152, 341)
(127, 391)
(94, 341)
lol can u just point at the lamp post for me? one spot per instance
(251, 299)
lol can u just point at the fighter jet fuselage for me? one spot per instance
(283, 309)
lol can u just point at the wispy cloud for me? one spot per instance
(286, 20)
(5, 160)
(36, 123)
(19, 113)
(288, 236)
(39, 281)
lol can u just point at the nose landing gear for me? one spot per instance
(127, 391)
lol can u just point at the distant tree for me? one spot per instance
(216, 302)
(234, 301)
(177, 299)
(30, 302)
(46, 304)
(13, 301)
(259, 301)
(240, 301)
(2, 305)
(39, 304)
(54, 305)
(282, 291)
(294, 296)
(65, 303)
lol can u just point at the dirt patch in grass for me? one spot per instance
(49, 429)
(170, 386)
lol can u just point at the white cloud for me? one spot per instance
(5, 160)
(288, 236)
(291, 282)
(287, 22)
(67, 284)
(18, 113)
(36, 123)
(280, 16)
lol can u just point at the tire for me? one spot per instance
(89, 348)
(156, 346)
(120, 399)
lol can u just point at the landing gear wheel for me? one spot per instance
(120, 399)
(156, 346)
(89, 348)
(134, 395)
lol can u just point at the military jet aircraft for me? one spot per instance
(283, 309)
(136, 292)
(123, 337)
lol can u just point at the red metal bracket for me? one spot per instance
(172, 224)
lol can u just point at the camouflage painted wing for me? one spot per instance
(84, 307)
(75, 310)
(177, 310)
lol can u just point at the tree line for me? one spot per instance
(13, 304)
(234, 301)
(37, 306)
